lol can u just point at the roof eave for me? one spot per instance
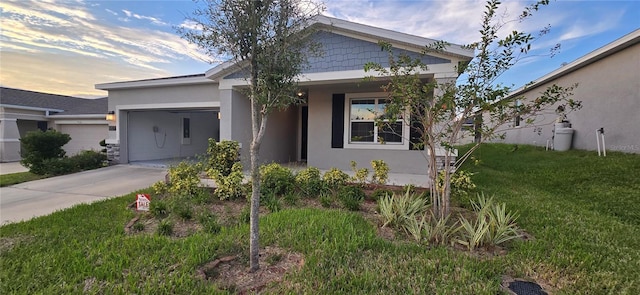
(154, 83)
(594, 56)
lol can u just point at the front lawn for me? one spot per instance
(581, 211)
(20, 177)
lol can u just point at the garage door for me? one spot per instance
(84, 137)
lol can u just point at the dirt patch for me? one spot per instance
(232, 273)
(8, 243)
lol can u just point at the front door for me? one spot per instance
(304, 132)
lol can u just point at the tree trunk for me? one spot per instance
(259, 123)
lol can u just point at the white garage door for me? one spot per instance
(84, 137)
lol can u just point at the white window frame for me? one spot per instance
(403, 145)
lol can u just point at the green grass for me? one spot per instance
(20, 177)
(581, 210)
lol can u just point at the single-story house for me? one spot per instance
(173, 117)
(609, 87)
(22, 111)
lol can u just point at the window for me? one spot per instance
(362, 111)
(517, 119)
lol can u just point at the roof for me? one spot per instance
(618, 45)
(165, 81)
(69, 105)
(365, 32)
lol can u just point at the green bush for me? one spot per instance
(184, 179)
(380, 172)
(272, 202)
(165, 228)
(461, 183)
(38, 146)
(276, 180)
(326, 199)
(183, 210)
(380, 193)
(159, 208)
(85, 160)
(222, 155)
(351, 197)
(209, 222)
(493, 225)
(230, 186)
(309, 182)
(396, 209)
(335, 179)
(360, 176)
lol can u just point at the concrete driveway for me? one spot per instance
(42, 197)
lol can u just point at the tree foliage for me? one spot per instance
(267, 41)
(438, 110)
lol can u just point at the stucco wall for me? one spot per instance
(164, 95)
(321, 155)
(279, 143)
(610, 93)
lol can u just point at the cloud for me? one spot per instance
(153, 20)
(67, 31)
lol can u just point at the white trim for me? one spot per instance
(369, 145)
(9, 140)
(155, 83)
(85, 116)
(81, 122)
(160, 106)
(30, 116)
(11, 106)
(9, 119)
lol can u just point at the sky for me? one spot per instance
(66, 47)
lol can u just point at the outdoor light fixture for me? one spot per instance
(111, 116)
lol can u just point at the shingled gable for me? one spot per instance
(361, 40)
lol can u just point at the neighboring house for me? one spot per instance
(173, 117)
(609, 88)
(22, 111)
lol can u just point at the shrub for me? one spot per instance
(360, 176)
(38, 146)
(184, 179)
(222, 156)
(230, 186)
(326, 199)
(56, 166)
(209, 222)
(335, 179)
(351, 197)
(158, 208)
(138, 226)
(396, 209)
(430, 229)
(493, 225)
(276, 180)
(309, 181)
(87, 160)
(291, 198)
(183, 210)
(380, 193)
(461, 183)
(380, 171)
(245, 214)
(165, 228)
(160, 188)
(272, 202)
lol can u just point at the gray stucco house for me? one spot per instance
(173, 117)
(22, 111)
(609, 88)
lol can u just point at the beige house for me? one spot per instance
(173, 117)
(22, 111)
(609, 88)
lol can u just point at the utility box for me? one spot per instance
(562, 139)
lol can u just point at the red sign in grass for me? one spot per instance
(142, 202)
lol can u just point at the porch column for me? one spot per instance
(226, 111)
(9, 140)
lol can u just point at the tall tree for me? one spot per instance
(438, 111)
(268, 40)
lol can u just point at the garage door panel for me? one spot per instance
(84, 137)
